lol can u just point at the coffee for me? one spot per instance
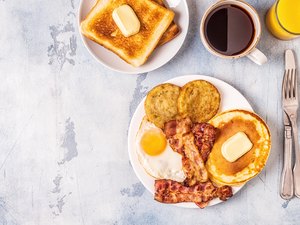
(229, 30)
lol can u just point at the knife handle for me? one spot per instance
(296, 171)
(287, 187)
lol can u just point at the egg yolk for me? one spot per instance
(153, 142)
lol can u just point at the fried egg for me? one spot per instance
(155, 155)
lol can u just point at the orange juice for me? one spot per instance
(283, 19)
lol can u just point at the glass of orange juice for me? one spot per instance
(283, 19)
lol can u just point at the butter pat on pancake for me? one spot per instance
(251, 163)
(236, 146)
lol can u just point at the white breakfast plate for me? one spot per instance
(230, 99)
(158, 58)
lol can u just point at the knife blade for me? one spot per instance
(289, 60)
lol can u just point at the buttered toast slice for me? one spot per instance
(101, 28)
(171, 32)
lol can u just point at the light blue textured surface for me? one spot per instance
(64, 121)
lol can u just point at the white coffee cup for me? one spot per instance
(251, 52)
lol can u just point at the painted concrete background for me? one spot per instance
(64, 121)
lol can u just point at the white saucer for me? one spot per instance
(230, 99)
(158, 58)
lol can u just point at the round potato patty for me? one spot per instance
(161, 104)
(199, 100)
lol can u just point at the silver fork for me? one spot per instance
(290, 106)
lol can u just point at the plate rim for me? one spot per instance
(84, 41)
(131, 127)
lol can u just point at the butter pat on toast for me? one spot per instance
(100, 27)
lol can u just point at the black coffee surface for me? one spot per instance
(229, 30)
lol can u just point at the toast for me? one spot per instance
(100, 27)
(171, 32)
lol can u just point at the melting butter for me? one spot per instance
(236, 146)
(126, 20)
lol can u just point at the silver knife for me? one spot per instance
(287, 187)
(291, 64)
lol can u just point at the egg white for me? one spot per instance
(167, 165)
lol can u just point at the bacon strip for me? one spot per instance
(197, 168)
(182, 140)
(194, 143)
(175, 130)
(205, 136)
(169, 191)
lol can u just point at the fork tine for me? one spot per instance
(295, 84)
(291, 83)
(288, 85)
(284, 85)
(290, 80)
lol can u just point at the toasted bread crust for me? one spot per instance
(172, 31)
(100, 27)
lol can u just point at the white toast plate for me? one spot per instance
(158, 58)
(230, 99)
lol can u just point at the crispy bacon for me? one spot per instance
(182, 140)
(205, 136)
(169, 191)
(198, 170)
(194, 143)
(224, 192)
(175, 130)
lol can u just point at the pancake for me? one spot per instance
(250, 164)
